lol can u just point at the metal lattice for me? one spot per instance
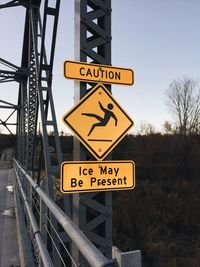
(93, 211)
(13, 73)
(35, 101)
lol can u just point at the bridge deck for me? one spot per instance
(9, 254)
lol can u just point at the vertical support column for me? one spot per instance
(41, 29)
(22, 123)
(22, 127)
(33, 77)
(92, 212)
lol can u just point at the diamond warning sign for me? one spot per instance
(98, 121)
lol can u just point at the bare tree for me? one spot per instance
(167, 127)
(183, 99)
(145, 128)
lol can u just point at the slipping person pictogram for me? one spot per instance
(103, 121)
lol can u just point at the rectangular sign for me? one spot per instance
(89, 72)
(89, 176)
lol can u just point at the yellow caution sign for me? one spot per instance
(87, 176)
(89, 72)
(98, 121)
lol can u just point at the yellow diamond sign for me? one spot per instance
(98, 121)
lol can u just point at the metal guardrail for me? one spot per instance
(92, 255)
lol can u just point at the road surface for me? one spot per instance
(9, 255)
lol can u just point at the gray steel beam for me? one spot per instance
(16, 74)
(32, 84)
(43, 60)
(36, 99)
(22, 115)
(11, 105)
(14, 3)
(92, 212)
(22, 124)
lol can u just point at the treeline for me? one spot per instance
(162, 156)
(7, 141)
(160, 216)
(156, 156)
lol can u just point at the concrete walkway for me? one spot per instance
(9, 254)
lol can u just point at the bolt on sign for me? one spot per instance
(88, 176)
(98, 73)
(98, 121)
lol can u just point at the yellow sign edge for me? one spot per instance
(96, 162)
(97, 65)
(82, 140)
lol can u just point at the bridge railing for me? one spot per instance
(37, 206)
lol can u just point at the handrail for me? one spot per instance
(94, 257)
(36, 232)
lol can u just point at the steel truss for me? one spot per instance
(40, 101)
(35, 101)
(15, 3)
(93, 213)
(14, 74)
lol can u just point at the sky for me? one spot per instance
(158, 39)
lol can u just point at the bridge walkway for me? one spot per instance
(9, 252)
(12, 244)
